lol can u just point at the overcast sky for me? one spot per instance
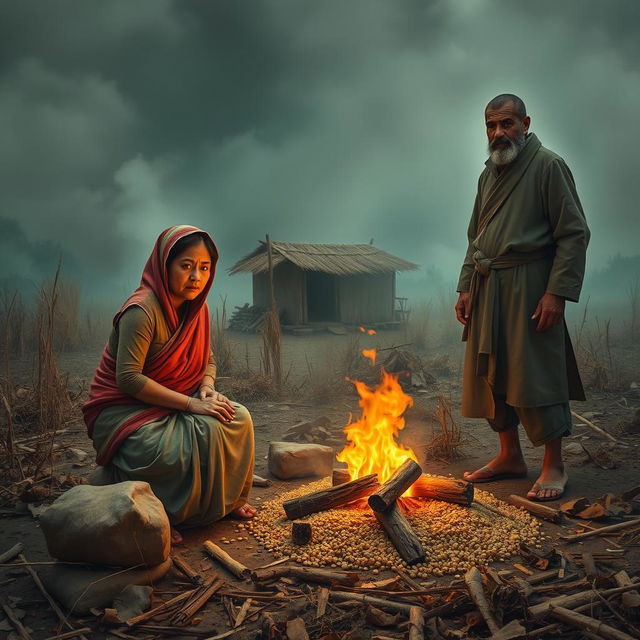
(332, 121)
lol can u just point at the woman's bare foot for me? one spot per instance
(245, 512)
(500, 468)
(176, 538)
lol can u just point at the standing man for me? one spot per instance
(526, 257)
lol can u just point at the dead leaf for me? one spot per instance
(110, 616)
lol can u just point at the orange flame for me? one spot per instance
(361, 329)
(372, 332)
(371, 445)
(371, 354)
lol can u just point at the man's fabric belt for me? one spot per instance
(484, 274)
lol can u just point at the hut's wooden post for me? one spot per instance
(272, 293)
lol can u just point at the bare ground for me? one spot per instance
(311, 364)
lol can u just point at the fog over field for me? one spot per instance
(327, 121)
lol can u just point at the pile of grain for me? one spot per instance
(454, 537)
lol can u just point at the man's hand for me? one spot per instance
(549, 312)
(462, 307)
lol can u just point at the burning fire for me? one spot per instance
(372, 447)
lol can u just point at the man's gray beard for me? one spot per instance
(500, 157)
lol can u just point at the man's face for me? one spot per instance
(506, 133)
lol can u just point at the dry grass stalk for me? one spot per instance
(54, 404)
(220, 343)
(447, 441)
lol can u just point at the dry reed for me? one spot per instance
(220, 343)
(446, 440)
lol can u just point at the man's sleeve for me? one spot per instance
(468, 266)
(570, 231)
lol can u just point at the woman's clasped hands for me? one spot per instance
(212, 403)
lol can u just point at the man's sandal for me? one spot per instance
(537, 487)
(492, 476)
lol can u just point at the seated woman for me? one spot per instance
(153, 412)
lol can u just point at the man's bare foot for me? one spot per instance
(245, 512)
(176, 537)
(500, 468)
(549, 486)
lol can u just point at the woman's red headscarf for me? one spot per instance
(180, 364)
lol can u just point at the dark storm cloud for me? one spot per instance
(313, 121)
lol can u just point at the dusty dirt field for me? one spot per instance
(320, 353)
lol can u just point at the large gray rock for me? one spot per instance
(295, 460)
(79, 589)
(121, 524)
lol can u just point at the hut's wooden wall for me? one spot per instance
(366, 298)
(288, 281)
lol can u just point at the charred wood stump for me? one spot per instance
(329, 498)
(401, 479)
(301, 532)
(401, 534)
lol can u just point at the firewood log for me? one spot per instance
(330, 498)
(401, 479)
(612, 528)
(445, 489)
(229, 563)
(401, 534)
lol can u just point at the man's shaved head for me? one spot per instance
(506, 98)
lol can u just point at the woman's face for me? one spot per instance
(189, 273)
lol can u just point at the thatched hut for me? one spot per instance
(345, 283)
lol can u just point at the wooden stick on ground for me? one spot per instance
(17, 625)
(309, 574)
(585, 623)
(441, 488)
(596, 428)
(401, 534)
(242, 614)
(229, 563)
(576, 600)
(376, 602)
(416, 623)
(147, 615)
(70, 634)
(329, 498)
(401, 479)
(473, 580)
(630, 600)
(612, 528)
(323, 597)
(203, 594)
(184, 567)
(9, 554)
(537, 509)
(36, 578)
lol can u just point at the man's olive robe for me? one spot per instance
(527, 236)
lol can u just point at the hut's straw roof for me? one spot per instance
(338, 259)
